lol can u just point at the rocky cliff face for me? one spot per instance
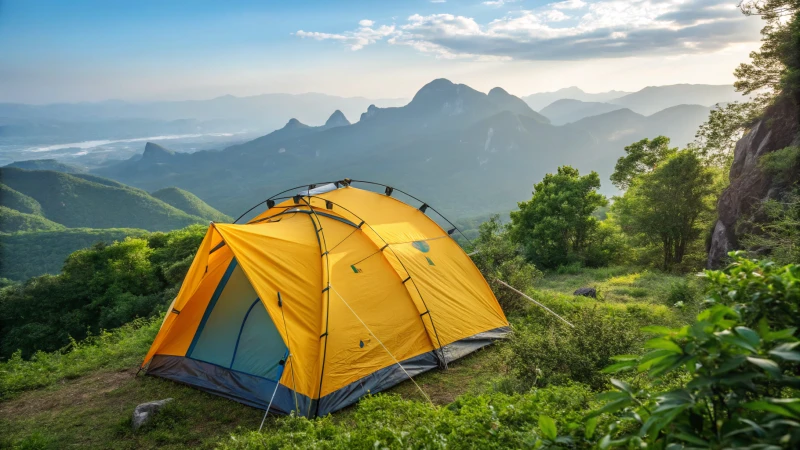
(740, 203)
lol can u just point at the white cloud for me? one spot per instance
(355, 40)
(438, 1)
(567, 30)
(569, 4)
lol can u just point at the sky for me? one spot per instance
(81, 50)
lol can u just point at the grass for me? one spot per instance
(85, 398)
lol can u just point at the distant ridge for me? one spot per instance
(190, 203)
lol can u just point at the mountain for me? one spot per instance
(465, 151)
(18, 201)
(47, 164)
(540, 100)
(264, 112)
(652, 99)
(568, 110)
(189, 203)
(12, 221)
(73, 201)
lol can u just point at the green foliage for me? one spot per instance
(556, 225)
(190, 203)
(102, 287)
(26, 255)
(779, 236)
(773, 68)
(665, 207)
(497, 258)
(543, 418)
(18, 201)
(77, 200)
(12, 221)
(738, 359)
(783, 165)
(122, 348)
(641, 157)
(716, 138)
(559, 355)
(759, 289)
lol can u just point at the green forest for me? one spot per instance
(669, 354)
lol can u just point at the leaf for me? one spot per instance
(663, 344)
(619, 367)
(591, 425)
(656, 329)
(787, 407)
(622, 386)
(730, 364)
(735, 340)
(625, 358)
(749, 335)
(767, 364)
(785, 352)
(686, 437)
(548, 427)
(780, 335)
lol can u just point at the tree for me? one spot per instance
(555, 225)
(663, 207)
(641, 157)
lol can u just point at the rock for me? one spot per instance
(586, 292)
(741, 201)
(144, 412)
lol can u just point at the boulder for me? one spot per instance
(586, 292)
(144, 412)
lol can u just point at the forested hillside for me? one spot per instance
(47, 215)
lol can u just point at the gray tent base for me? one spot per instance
(256, 391)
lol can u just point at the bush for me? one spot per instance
(497, 258)
(559, 355)
(102, 287)
(739, 363)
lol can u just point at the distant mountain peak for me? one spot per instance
(498, 91)
(337, 119)
(155, 152)
(294, 124)
(372, 110)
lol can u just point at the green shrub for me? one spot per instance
(782, 165)
(740, 365)
(559, 355)
(102, 287)
(779, 236)
(497, 258)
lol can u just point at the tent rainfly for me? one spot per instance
(320, 299)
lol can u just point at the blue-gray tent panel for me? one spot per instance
(241, 387)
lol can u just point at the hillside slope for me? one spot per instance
(26, 255)
(76, 202)
(12, 221)
(190, 203)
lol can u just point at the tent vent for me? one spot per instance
(389, 191)
(424, 207)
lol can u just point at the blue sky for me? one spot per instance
(53, 51)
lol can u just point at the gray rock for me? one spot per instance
(144, 412)
(586, 292)
(749, 187)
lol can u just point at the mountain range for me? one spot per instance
(466, 151)
(571, 104)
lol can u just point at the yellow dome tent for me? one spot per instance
(329, 295)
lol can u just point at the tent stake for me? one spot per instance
(534, 301)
